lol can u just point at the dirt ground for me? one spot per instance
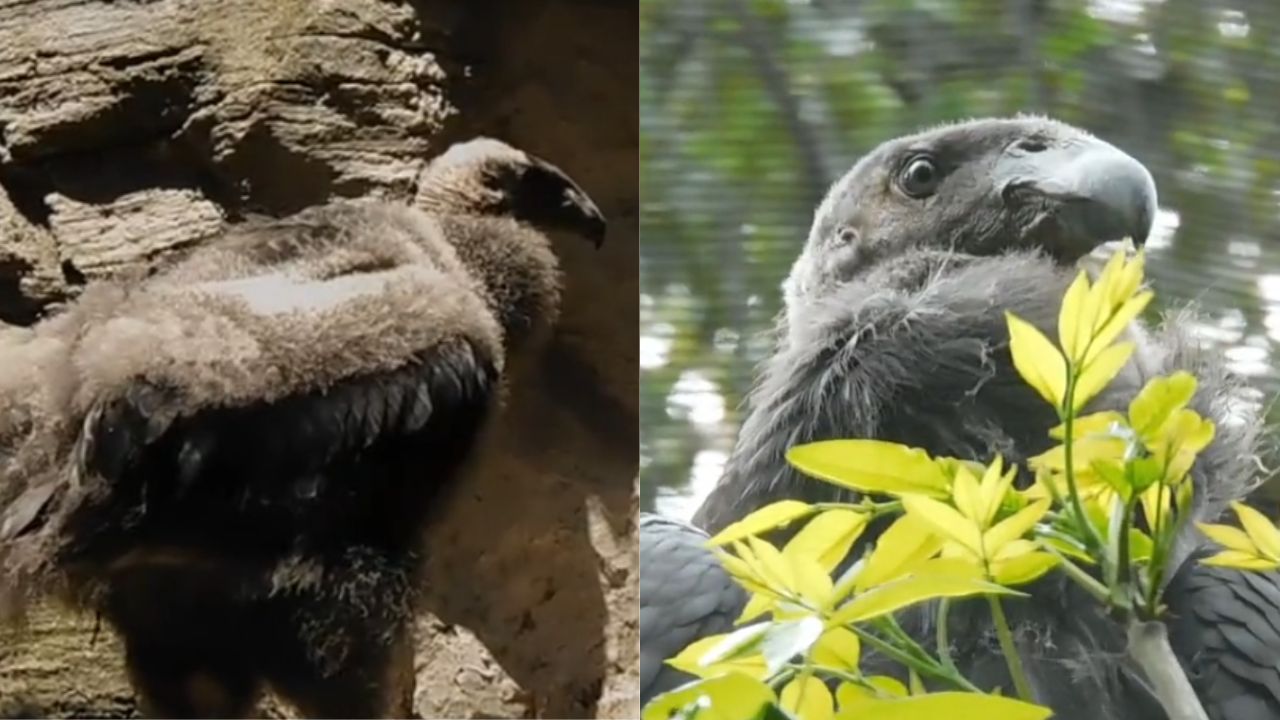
(65, 665)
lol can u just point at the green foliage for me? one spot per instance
(964, 530)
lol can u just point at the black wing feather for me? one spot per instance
(1225, 628)
(342, 464)
(685, 594)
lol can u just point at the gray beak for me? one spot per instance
(1095, 193)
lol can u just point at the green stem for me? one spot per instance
(944, 643)
(824, 670)
(1123, 571)
(929, 668)
(1082, 578)
(1069, 415)
(889, 624)
(1158, 548)
(1011, 656)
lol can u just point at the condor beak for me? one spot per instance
(1095, 193)
(589, 220)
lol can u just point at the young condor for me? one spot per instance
(232, 461)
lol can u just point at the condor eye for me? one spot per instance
(920, 177)
(846, 235)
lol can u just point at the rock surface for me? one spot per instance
(132, 128)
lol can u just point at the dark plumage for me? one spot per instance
(689, 597)
(233, 460)
(895, 329)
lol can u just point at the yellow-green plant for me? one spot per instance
(1105, 507)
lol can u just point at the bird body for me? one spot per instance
(895, 329)
(694, 599)
(233, 459)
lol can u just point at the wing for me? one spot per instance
(354, 463)
(317, 389)
(685, 594)
(1225, 628)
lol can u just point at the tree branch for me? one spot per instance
(777, 85)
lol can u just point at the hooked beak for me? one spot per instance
(589, 220)
(1092, 191)
(549, 197)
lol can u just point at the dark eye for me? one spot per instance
(845, 235)
(920, 177)
(1032, 145)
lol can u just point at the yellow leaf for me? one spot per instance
(1039, 363)
(1023, 568)
(881, 686)
(828, 537)
(697, 659)
(1084, 452)
(1264, 535)
(838, 648)
(1231, 538)
(1113, 473)
(914, 682)
(758, 605)
(769, 563)
(813, 583)
(1140, 545)
(1191, 432)
(1126, 284)
(1117, 323)
(950, 466)
(1014, 527)
(932, 579)
(744, 573)
(1157, 501)
(1184, 436)
(728, 697)
(945, 521)
(967, 495)
(1068, 549)
(870, 466)
(1071, 318)
(994, 488)
(1014, 549)
(1241, 561)
(904, 546)
(1101, 371)
(1106, 286)
(934, 706)
(1099, 423)
(766, 518)
(807, 697)
(1158, 400)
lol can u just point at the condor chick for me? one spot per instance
(233, 460)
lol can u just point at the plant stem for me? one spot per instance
(1149, 647)
(1011, 656)
(1124, 571)
(929, 668)
(1158, 548)
(1082, 578)
(890, 625)
(1069, 416)
(944, 643)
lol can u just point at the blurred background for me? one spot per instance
(750, 108)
